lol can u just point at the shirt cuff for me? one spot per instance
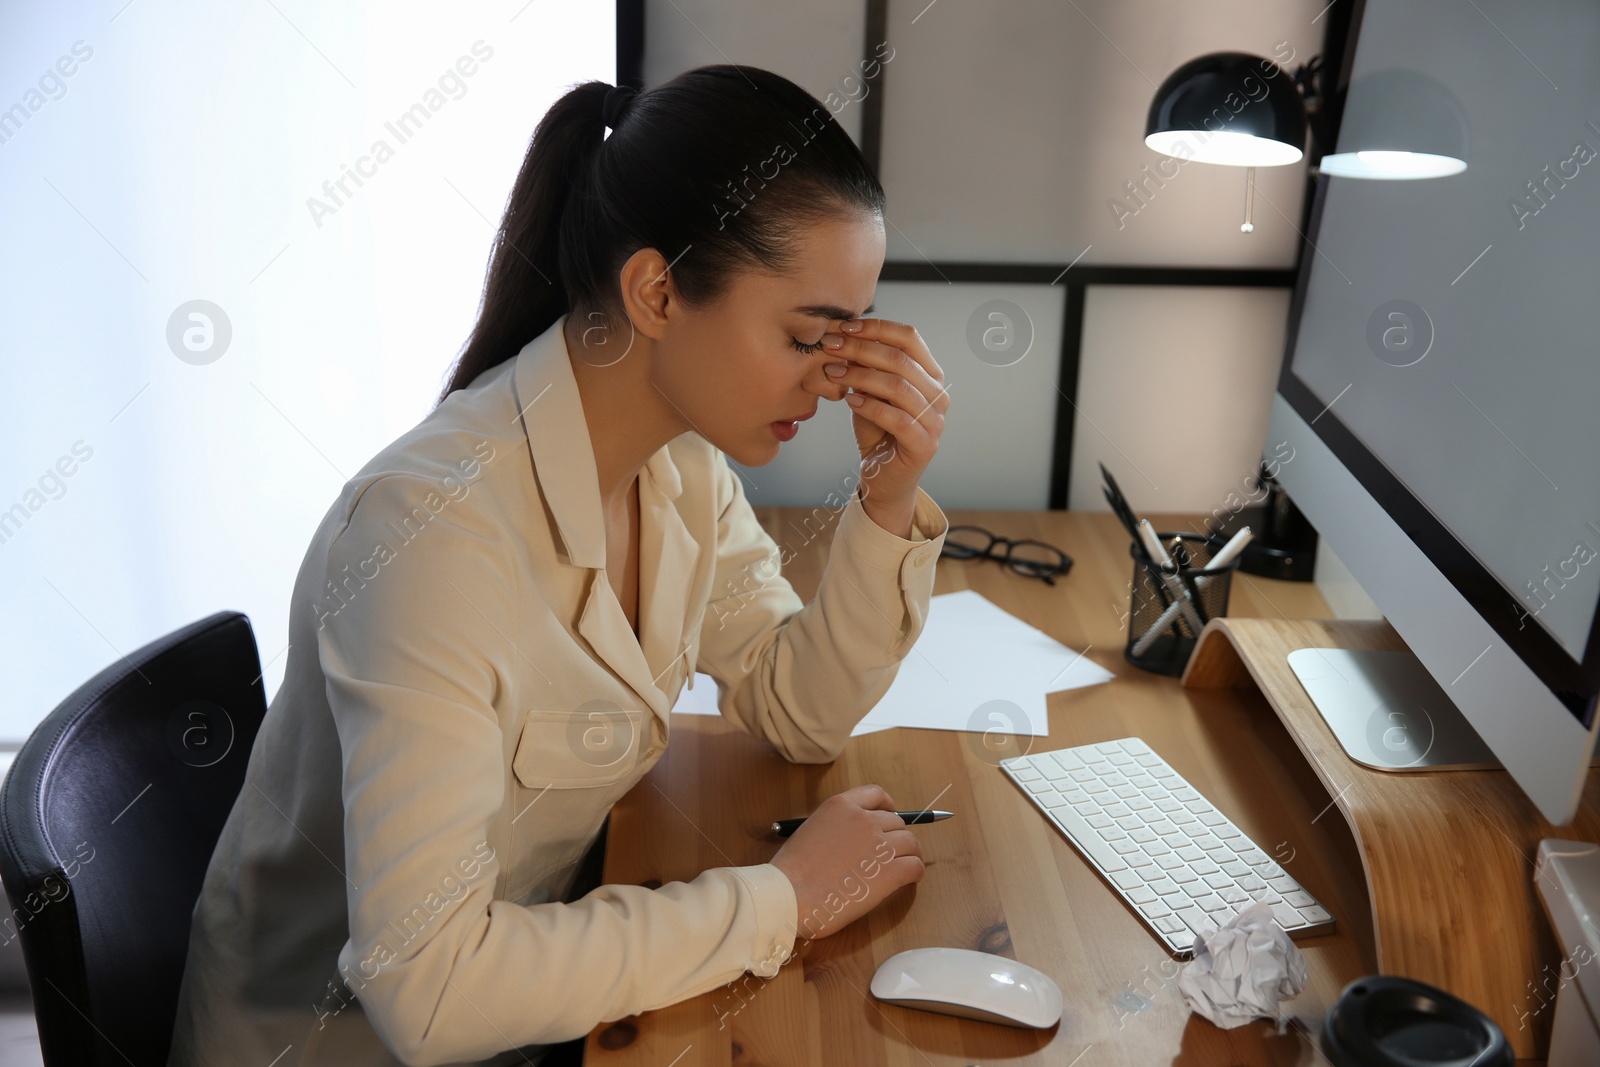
(777, 917)
(864, 539)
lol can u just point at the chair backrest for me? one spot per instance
(108, 818)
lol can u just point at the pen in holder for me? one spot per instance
(1168, 604)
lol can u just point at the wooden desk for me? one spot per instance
(999, 877)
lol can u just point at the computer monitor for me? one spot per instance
(1440, 393)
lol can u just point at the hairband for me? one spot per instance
(617, 103)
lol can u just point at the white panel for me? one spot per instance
(818, 45)
(1175, 387)
(998, 438)
(1011, 127)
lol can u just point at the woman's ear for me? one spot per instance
(649, 294)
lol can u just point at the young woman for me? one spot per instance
(494, 619)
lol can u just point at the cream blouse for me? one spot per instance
(464, 701)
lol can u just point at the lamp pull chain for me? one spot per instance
(1249, 199)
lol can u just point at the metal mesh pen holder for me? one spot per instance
(1161, 633)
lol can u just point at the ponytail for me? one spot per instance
(715, 169)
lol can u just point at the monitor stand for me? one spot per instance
(1446, 855)
(1388, 712)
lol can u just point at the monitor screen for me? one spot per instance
(1445, 342)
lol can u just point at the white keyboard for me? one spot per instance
(1179, 863)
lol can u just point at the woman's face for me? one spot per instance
(733, 370)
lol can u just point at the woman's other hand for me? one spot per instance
(899, 399)
(848, 855)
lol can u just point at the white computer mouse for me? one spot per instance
(973, 985)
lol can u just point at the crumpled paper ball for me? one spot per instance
(1243, 970)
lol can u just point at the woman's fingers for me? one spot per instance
(895, 335)
(892, 361)
(889, 387)
(905, 427)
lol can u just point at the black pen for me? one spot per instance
(785, 827)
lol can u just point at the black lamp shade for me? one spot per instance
(1231, 108)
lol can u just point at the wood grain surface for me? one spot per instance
(1000, 877)
(1449, 856)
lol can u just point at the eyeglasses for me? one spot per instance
(1032, 559)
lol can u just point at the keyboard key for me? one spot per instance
(1251, 884)
(1158, 848)
(1138, 860)
(1052, 770)
(1113, 833)
(1040, 786)
(1218, 880)
(1081, 774)
(1130, 822)
(1149, 759)
(1107, 748)
(1287, 917)
(1118, 810)
(1233, 894)
(1135, 746)
(1055, 801)
(1122, 848)
(1203, 867)
(1127, 879)
(1197, 889)
(1183, 875)
(1168, 862)
(1141, 894)
(1315, 914)
(1165, 886)
(1155, 909)
(1195, 920)
(1099, 822)
(1170, 924)
(1300, 898)
(1067, 759)
(1236, 868)
(1189, 853)
(1210, 818)
(1142, 834)
(1025, 773)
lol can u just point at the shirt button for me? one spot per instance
(922, 560)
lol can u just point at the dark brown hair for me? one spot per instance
(717, 169)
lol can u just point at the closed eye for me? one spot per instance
(800, 346)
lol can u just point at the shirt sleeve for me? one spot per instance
(444, 971)
(802, 675)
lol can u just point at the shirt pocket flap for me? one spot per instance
(592, 746)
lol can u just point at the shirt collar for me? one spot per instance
(551, 412)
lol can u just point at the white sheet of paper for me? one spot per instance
(975, 667)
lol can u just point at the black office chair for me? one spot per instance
(108, 817)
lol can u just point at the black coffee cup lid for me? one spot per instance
(1388, 1021)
